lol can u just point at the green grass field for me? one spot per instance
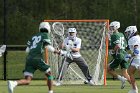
(38, 86)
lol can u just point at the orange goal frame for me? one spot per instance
(98, 20)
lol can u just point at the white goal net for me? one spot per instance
(93, 49)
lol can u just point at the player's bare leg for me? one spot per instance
(132, 71)
(49, 79)
(13, 84)
(126, 75)
(113, 73)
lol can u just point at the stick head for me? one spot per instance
(58, 28)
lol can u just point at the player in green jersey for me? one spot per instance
(34, 60)
(118, 45)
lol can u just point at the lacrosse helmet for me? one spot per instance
(115, 25)
(46, 26)
(72, 32)
(130, 31)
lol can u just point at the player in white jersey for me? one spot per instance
(134, 45)
(72, 44)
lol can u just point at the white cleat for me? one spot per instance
(58, 83)
(11, 86)
(133, 91)
(51, 91)
(91, 83)
(123, 82)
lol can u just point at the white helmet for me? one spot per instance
(45, 25)
(72, 30)
(130, 31)
(115, 25)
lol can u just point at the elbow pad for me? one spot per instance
(136, 52)
(50, 48)
(127, 57)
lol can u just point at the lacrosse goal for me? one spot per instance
(94, 49)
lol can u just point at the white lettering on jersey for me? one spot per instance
(36, 39)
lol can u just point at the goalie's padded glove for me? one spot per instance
(66, 54)
(127, 57)
(63, 53)
(68, 47)
(111, 52)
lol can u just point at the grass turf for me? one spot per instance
(38, 86)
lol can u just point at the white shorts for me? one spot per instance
(136, 63)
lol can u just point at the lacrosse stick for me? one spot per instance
(57, 33)
(58, 36)
(2, 49)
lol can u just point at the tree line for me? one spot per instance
(23, 16)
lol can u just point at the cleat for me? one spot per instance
(85, 82)
(133, 91)
(51, 91)
(123, 82)
(11, 86)
(91, 83)
(58, 83)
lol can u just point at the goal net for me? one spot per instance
(94, 49)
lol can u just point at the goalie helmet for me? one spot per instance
(72, 33)
(130, 31)
(45, 25)
(115, 25)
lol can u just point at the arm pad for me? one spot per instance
(50, 48)
(136, 52)
(127, 57)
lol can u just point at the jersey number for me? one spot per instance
(36, 39)
(122, 43)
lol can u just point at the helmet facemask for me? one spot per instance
(114, 26)
(72, 33)
(129, 34)
(130, 31)
(44, 27)
(111, 30)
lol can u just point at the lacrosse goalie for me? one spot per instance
(134, 45)
(72, 45)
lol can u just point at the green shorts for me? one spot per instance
(33, 64)
(115, 63)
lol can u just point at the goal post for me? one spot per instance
(94, 49)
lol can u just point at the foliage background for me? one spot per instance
(24, 16)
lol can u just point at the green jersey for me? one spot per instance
(36, 44)
(118, 38)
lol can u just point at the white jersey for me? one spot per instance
(75, 43)
(135, 40)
